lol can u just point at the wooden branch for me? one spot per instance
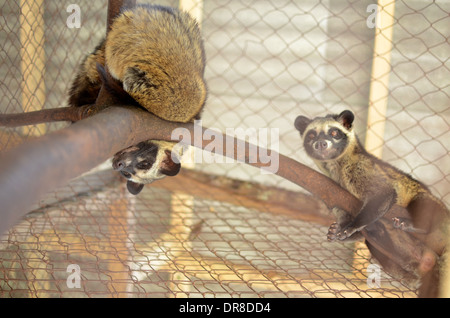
(71, 114)
(91, 141)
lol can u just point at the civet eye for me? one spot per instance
(144, 165)
(335, 133)
(311, 134)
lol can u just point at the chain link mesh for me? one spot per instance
(267, 62)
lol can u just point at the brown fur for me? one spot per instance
(152, 57)
(158, 55)
(378, 185)
(87, 83)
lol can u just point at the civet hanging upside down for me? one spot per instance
(155, 56)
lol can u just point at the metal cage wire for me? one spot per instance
(267, 62)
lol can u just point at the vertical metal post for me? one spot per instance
(195, 9)
(379, 86)
(33, 60)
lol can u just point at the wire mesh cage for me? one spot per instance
(225, 229)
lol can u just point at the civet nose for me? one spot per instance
(320, 145)
(118, 165)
